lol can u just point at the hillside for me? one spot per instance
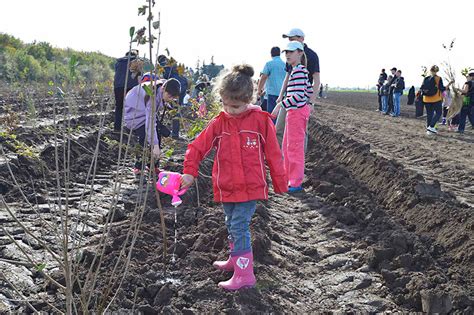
(40, 62)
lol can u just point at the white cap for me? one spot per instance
(294, 45)
(294, 32)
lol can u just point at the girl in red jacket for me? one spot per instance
(244, 138)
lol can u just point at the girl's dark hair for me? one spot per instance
(237, 85)
(172, 86)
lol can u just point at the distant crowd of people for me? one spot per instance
(440, 101)
(390, 89)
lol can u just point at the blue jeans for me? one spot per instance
(237, 220)
(432, 118)
(271, 102)
(384, 103)
(466, 112)
(396, 103)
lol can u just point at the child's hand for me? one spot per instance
(156, 151)
(276, 110)
(186, 181)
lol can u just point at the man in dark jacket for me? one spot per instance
(121, 73)
(380, 82)
(398, 87)
(171, 71)
(390, 96)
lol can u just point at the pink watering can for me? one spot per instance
(169, 183)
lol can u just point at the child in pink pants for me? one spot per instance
(298, 92)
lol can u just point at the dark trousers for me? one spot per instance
(271, 102)
(419, 108)
(264, 104)
(433, 113)
(390, 103)
(118, 108)
(445, 112)
(466, 112)
(380, 98)
(140, 133)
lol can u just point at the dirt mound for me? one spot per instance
(344, 244)
(367, 235)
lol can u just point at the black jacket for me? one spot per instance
(399, 85)
(382, 77)
(121, 73)
(411, 96)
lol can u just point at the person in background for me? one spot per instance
(312, 66)
(295, 100)
(411, 96)
(384, 94)
(138, 111)
(202, 110)
(120, 90)
(271, 79)
(467, 110)
(186, 98)
(433, 89)
(447, 100)
(245, 141)
(326, 91)
(398, 87)
(321, 88)
(171, 71)
(392, 88)
(380, 83)
(419, 106)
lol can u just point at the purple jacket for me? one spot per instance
(137, 113)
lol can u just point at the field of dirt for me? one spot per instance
(385, 223)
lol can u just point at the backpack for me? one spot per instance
(429, 86)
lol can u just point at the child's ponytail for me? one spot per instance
(304, 59)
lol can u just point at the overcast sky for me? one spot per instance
(354, 39)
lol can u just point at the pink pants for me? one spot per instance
(293, 144)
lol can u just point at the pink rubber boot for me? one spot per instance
(225, 265)
(243, 276)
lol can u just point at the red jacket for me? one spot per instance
(243, 143)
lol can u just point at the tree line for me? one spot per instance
(40, 62)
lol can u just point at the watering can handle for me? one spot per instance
(182, 191)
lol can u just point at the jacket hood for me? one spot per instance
(251, 109)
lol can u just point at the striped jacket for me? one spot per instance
(299, 89)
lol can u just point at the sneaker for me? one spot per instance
(294, 189)
(443, 122)
(459, 131)
(432, 129)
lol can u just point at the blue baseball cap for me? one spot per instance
(293, 45)
(294, 32)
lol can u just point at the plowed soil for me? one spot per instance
(385, 223)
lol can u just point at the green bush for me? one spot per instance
(40, 62)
